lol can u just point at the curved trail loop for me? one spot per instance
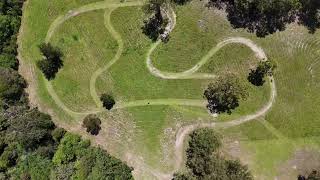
(188, 74)
(191, 73)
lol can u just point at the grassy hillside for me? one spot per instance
(145, 135)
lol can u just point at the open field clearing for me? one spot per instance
(159, 87)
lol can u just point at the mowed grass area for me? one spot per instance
(148, 132)
(37, 17)
(294, 119)
(87, 45)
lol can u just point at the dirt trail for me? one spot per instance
(188, 74)
(186, 130)
(191, 73)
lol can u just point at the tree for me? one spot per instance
(107, 101)
(30, 128)
(235, 170)
(156, 23)
(205, 162)
(181, 2)
(11, 85)
(57, 134)
(202, 143)
(263, 17)
(183, 176)
(309, 14)
(224, 94)
(92, 123)
(264, 68)
(9, 61)
(51, 62)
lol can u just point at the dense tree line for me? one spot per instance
(31, 146)
(206, 163)
(268, 16)
(10, 17)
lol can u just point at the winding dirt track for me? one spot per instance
(188, 74)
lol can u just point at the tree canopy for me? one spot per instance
(263, 69)
(205, 162)
(265, 17)
(107, 101)
(224, 94)
(51, 62)
(156, 23)
(11, 85)
(92, 123)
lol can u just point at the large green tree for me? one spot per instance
(224, 94)
(51, 62)
(268, 16)
(206, 163)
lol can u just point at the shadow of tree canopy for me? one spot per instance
(265, 17)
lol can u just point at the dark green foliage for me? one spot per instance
(202, 144)
(181, 2)
(92, 123)
(205, 162)
(69, 148)
(314, 175)
(265, 17)
(155, 24)
(11, 7)
(35, 166)
(185, 176)
(257, 75)
(309, 14)
(11, 85)
(81, 161)
(57, 134)
(107, 101)
(224, 94)
(51, 62)
(237, 171)
(30, 128)
(8, 61)
(107, 167)
(9, 157)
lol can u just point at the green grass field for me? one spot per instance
(144, 136)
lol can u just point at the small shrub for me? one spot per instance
(264, 68)
(92, 123)
(107, 101)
